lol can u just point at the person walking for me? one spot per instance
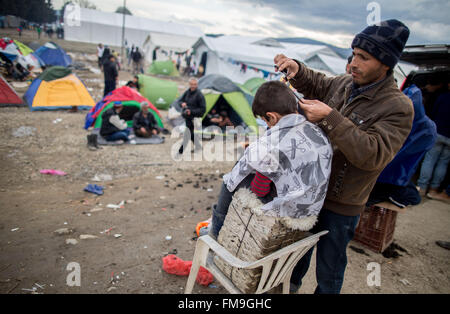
(111, 75)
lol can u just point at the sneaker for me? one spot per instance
(131, 136)
(119, 142)
(438, 196)
(133, 142)
(432, 193)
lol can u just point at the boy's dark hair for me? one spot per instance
(274, 96)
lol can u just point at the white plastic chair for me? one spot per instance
(285, 259)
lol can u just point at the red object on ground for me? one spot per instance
(176, 266)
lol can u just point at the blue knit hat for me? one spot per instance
(117, 104)
(384, 41)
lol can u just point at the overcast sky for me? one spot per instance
(332, 21)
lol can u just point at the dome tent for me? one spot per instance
(221, 92)
(52, 54)
(160, 92)
(129, 98)
(58, 88)
(8, 97)
(163, 68)
(16, 51)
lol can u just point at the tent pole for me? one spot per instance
(123, 28)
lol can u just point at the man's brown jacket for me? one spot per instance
(366, 133)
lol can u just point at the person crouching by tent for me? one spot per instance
(113, 128)
(134, 83)
(111, 75)
(222, 120)
(193, 105)
(144, 123)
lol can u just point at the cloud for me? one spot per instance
(427, 20)
(332, 21)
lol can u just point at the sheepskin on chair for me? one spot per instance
(250, 235)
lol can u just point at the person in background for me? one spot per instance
(134, 83)
(435, 163)
(188, 69)
(178, 62)
(106, 54)
(100, 50)
(222, 120)
(144, 123)
(39, 30)
(434, 87)
(137, 62)
(193, 105)
(111, 75)
(130, 56)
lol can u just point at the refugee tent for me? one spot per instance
(52, 54)
(253, 84)
(58, 88)
(221, 93)
(160, 92)
(164, 68)
(130, 99)
(8, 97)
(94, 26)
(331, 64)
(15, 51)
(24, 49)
(243, 57)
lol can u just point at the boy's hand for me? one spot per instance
(314, 109)
(284, 63)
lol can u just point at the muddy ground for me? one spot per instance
(163, 197)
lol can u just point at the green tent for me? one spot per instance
(24, 49)
(161, 93)
(237, 101)
(163, 68)
(221, 92)
(253, 84)
(130, 107)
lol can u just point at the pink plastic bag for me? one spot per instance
(53, 172)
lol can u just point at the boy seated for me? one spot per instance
(288, 167)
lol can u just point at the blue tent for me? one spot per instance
(52, 54)
(420, 140)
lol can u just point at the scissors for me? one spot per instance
(296, 94)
